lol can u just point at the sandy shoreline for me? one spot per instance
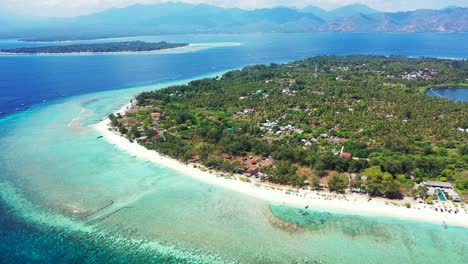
(348, 204)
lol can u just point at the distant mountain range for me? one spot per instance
(341, 12)
(181, 18)
(423, 20)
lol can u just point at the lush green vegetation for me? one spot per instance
(338, 184)
(134, 46)
(292, 120)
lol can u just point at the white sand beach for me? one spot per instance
(349, 203)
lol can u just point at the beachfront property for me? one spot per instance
(442, 189)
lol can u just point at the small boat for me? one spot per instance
(100, 137)
(444, 225)
(307, 207)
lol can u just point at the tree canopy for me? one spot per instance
(303, 114)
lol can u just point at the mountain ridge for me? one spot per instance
(344, 11)
(182, 18)
(421, 20)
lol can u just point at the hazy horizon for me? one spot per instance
(60, 8)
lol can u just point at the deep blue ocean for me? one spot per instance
(32, 89)
(28, 80)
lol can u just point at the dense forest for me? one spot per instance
(125, 46)
(322, 118)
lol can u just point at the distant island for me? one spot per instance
(361, 123)
(58, 39)
(125, 46)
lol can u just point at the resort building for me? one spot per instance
(442, 189)
(437, 184)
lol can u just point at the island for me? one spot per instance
(110, 47)
(353, 124)
(71, 38)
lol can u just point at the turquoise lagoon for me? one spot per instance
(160, 215)
(69, 196)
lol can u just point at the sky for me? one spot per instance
(80, 7)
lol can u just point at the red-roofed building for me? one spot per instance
(346, 155)
(252, 172)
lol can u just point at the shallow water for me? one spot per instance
(67, 196)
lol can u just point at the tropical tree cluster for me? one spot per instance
(302, 115)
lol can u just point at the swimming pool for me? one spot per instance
(441, 195)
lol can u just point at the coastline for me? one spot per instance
(188, 48)
(356, 204)
(445, 86)
(434, 92)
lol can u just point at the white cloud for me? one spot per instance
(77, 7)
